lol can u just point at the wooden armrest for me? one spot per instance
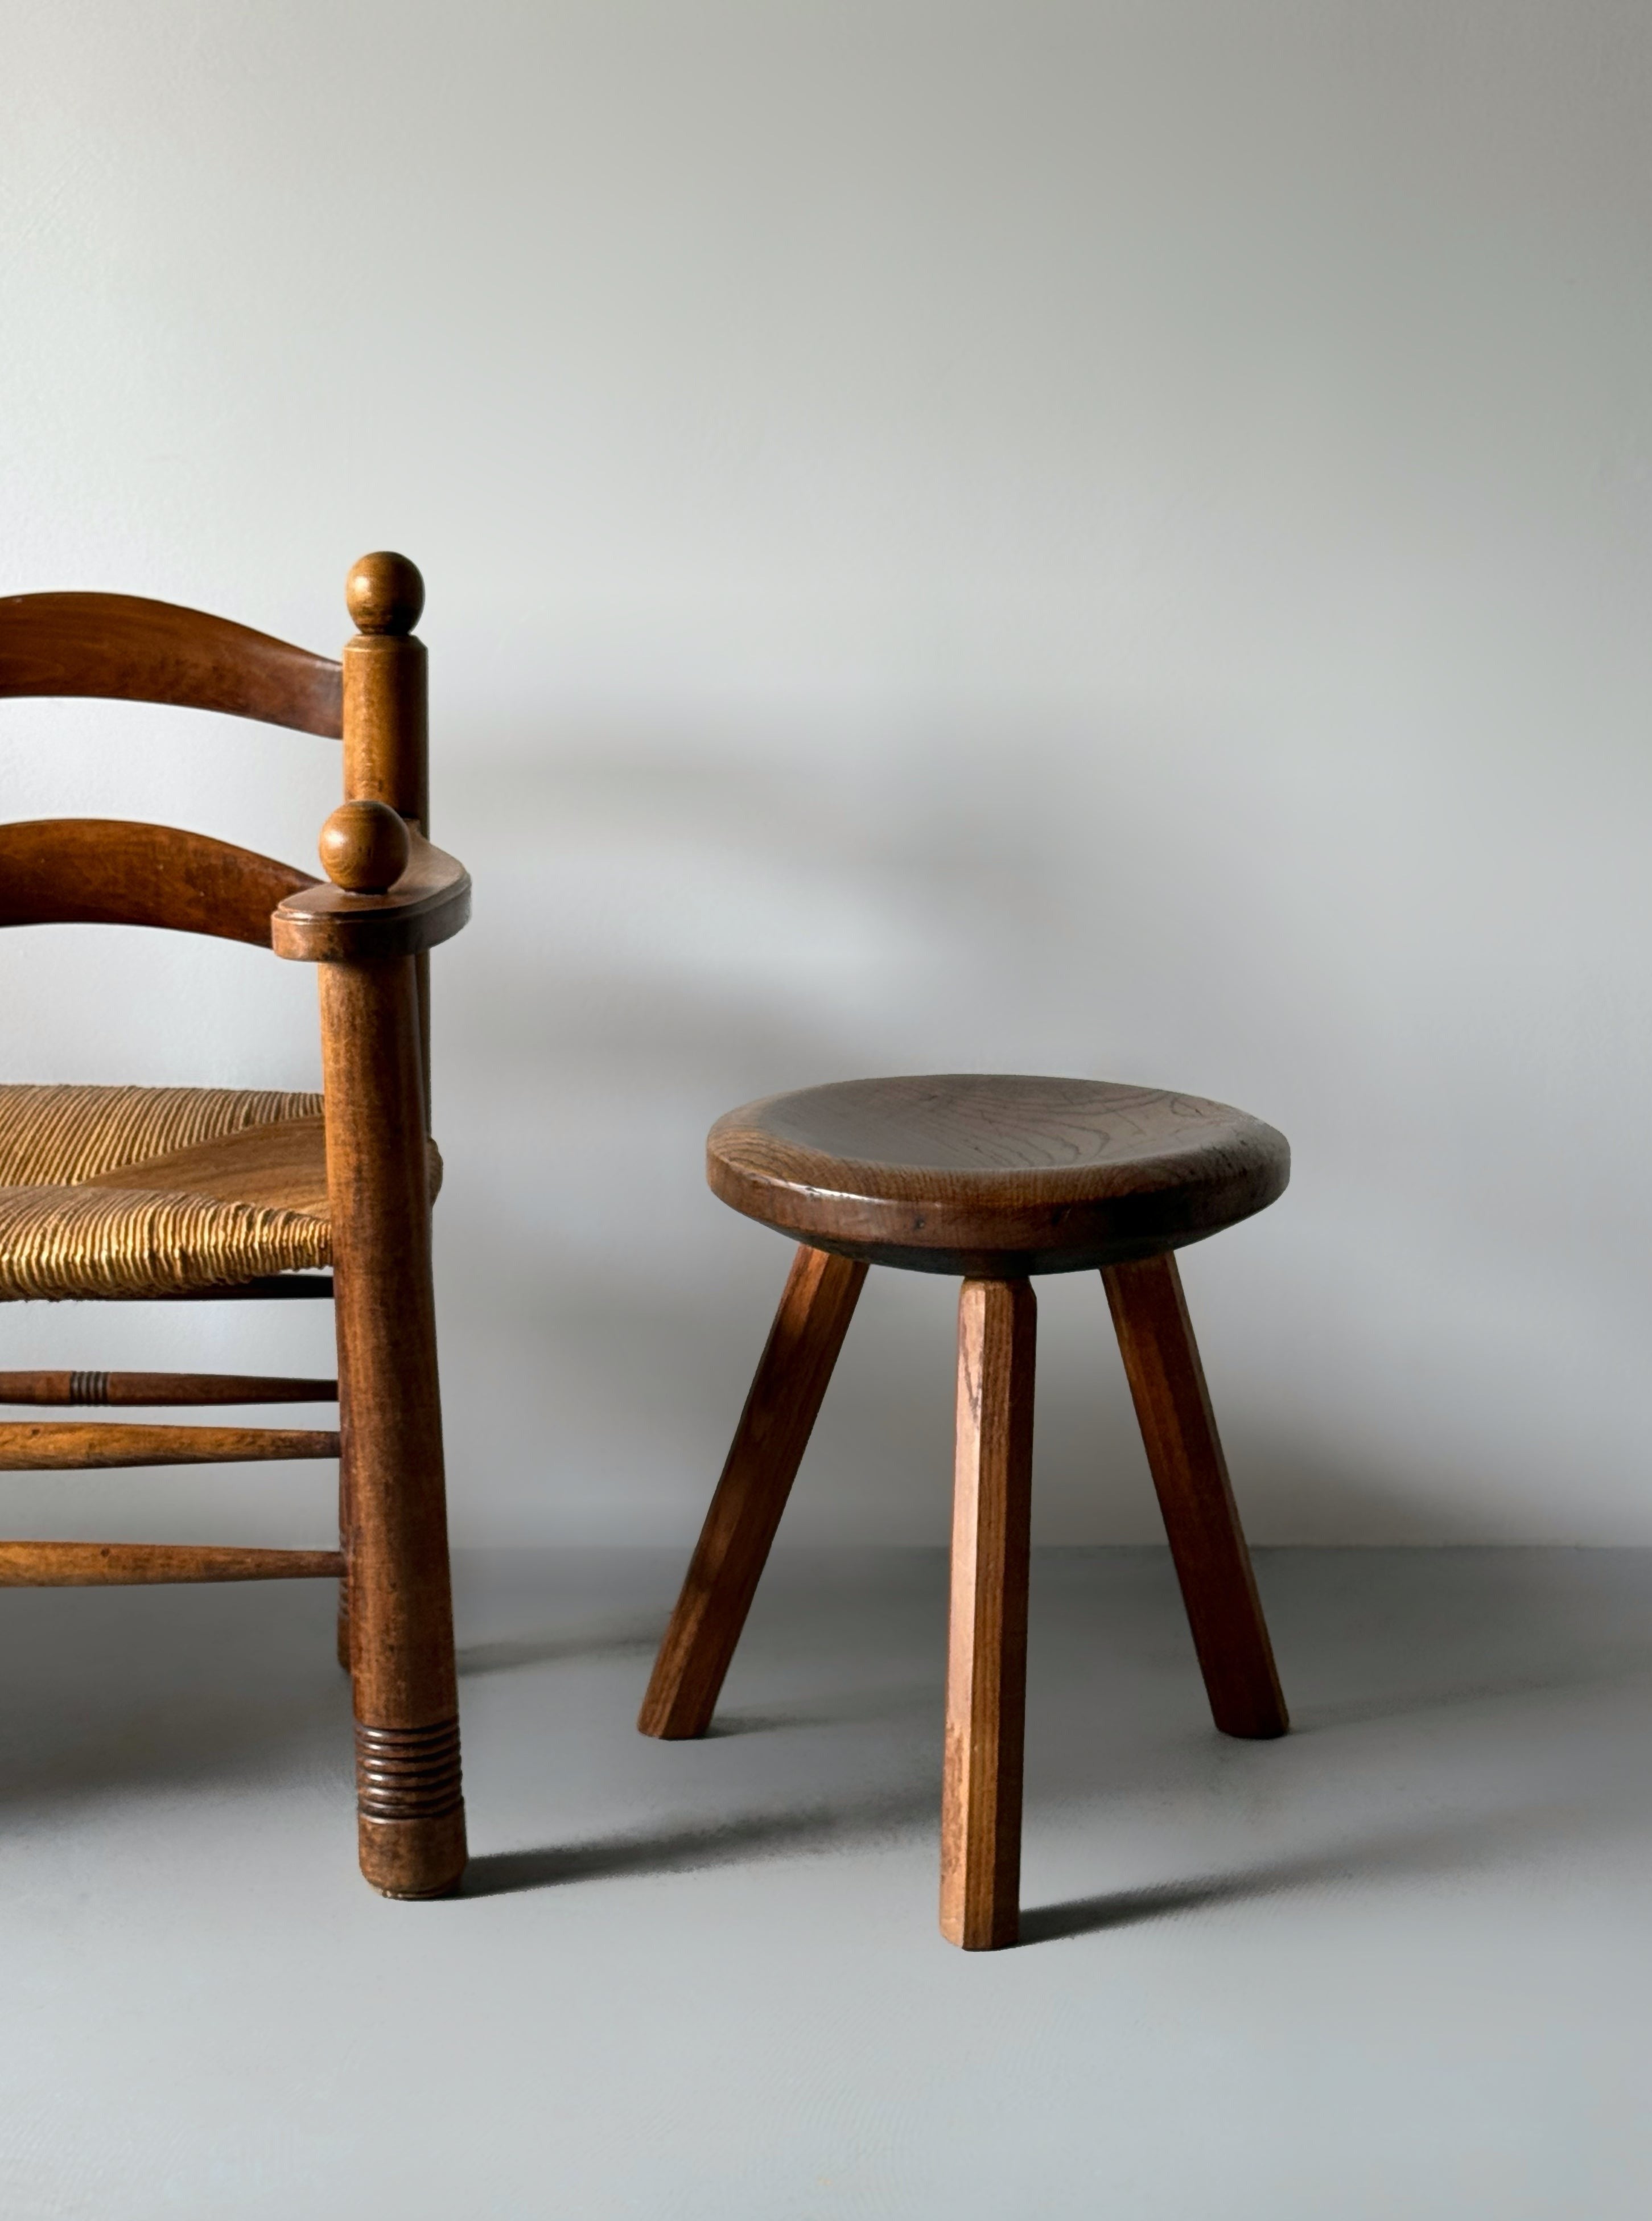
(429, 904)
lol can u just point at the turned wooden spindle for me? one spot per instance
(386, 712)
(365, 848)
(386, 731)
(154, 1389)
(399, 1630)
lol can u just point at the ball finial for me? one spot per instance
(384, 593)
(365, 848)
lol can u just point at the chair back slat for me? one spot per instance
(122, 647)
(104, 871)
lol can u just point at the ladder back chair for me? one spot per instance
(994, 1178)
(128, 1194)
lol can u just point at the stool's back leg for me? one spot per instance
(987, 1645)
(1191, 1474)
(763, 1459)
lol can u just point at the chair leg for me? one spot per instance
(411, 1807)
(341, 1635)
(1172, 1404)
(786, 1392)
(986, 1646)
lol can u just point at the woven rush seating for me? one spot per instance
(134, 1191)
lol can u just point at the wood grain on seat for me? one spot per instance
(994, 1176)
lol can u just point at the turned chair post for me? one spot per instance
(412, 1812)
(386, 714)
(386, 717)
(208, 1194)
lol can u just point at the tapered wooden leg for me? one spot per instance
(987, 1648)
(412, 1813)
(816, 1308)
(1191, 1474)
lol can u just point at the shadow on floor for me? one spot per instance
(1401, 1856)
(1514, 1687)
(640, 1637)
(692, 1847)
(841, 1710)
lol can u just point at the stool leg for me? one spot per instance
(986, 1643)
(818, 1303)
(1172, 1404)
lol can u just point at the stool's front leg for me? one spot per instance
(986, 1647)
(1191, 1474)
(818, 1303)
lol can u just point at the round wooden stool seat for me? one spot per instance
(994, 1176)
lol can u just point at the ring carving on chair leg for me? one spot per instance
(407, 1773)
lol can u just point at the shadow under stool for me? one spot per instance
(995, 1178)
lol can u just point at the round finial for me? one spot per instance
(365, 848)
(384, 593)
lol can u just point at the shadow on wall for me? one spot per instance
(667, 935)
(668, 928)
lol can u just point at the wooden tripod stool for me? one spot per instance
(995, 1178)
(187, 1194)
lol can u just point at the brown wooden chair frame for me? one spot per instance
(395, 898)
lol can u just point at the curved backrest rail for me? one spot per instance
(101, 871)
(128, 649)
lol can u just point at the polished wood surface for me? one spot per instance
(400, 1639)
(151, 1390)
(986, 1638)
(994, 1176)
(127, 1565)
(120, 646)
(386, 723)
(365, 848)
(429, 904)
(386, 763)
(387, 717)
(1190, 1472)
(384, 593)
(816, 1308)
(101, 871)
(67, 1445)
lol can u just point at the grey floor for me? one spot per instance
(1400, 1964)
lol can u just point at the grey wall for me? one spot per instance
(1103, 539)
